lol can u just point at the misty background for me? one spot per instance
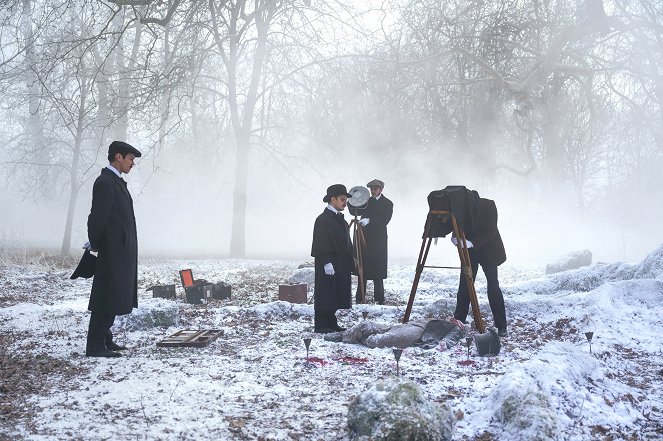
(245, 111)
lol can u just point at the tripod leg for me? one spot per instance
(359, 242)
(466, 265)
(423, 254)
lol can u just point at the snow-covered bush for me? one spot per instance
(151, 313)
(536, 399)
(574, 260)
(440, 308)
(281, 309)
(394, 409)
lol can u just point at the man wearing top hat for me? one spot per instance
(374, 222)
(111, 228)
(334, 262)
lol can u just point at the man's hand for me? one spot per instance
(454, 240)
(329, 269)
(363, 222)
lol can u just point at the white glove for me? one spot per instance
(86, 245)
(454, 240)
(329, 269)
(363, 222)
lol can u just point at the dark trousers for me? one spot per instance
(378, 291)
(325, 320)
(495, 297)
(99, 333)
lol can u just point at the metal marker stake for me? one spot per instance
(397, 356)
(589, 336)
(468, 342)
(307, 343)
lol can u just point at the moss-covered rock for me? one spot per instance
(397, 410)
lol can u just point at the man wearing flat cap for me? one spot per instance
(111, 229)
(374, 222)
(334, 262)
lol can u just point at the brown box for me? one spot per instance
(293, 293)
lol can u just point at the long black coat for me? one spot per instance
(331, 244)
(374, 256)
(486, 236)
(111, 229)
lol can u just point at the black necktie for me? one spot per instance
(340, 215)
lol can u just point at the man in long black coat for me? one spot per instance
(111, 229)
(334, 262)
(486, 249)
(374, 220)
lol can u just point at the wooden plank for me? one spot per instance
(188, 338)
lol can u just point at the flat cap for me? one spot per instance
(375, 183)
(123, 148)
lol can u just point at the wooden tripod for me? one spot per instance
(466, 265)
(359, 243)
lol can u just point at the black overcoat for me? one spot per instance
(374, 256)
(111, 229)
(331, 243)
(486, 236)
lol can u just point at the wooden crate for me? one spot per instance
(188, 338)
(293, 293)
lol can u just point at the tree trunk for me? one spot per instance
(35, 123)
(74, 185)
(238, 235)
(243, 128)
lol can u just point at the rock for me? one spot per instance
(574, 260)
(303, 275)
(151, 313)
(396, 409)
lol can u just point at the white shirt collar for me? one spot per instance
(114, 170)
(331, 207)
(378, 196)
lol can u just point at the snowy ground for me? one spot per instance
(252, 383)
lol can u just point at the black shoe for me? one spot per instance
(115, 347)
(324, 330)
(502, 332)
(338, 328)
(107, 353)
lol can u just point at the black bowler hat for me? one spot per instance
(335, 190)
(86, 266)
(123, 148)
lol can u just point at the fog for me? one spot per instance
(556, 126)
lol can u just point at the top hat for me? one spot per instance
(335, 190)
(86, 266)
(375, 183)
(123, 148)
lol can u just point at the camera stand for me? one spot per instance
(359, 243)
(466, 265)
